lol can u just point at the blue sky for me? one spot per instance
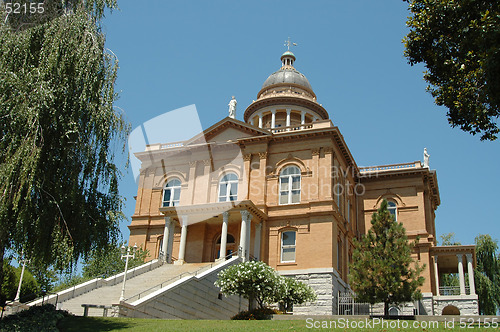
(177, 53)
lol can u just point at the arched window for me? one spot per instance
(172, 193)
(290, 185)
(228, 188)
(393, 209)
(288, 240)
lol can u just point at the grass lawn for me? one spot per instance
(70, 324)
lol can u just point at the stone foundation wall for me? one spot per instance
(467, 304)
(326, 283)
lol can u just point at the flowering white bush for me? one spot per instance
(258, 281)
(252, 280)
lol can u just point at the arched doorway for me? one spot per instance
(230, 247)
(450, 310)
(394, 311)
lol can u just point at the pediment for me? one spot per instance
(226, 130)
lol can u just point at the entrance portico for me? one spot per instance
(204, 227)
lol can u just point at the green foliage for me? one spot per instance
(449, 279)
(294, 292)
(101, 263)
(459, 43)
(105, 262)
(8, 283)
(58, 133)
(36, 318)
(487, 275)
(382, 269)
(252, 280)
(256, 314)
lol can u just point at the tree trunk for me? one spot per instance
(2, 251)
(251, 302)
(386, 309)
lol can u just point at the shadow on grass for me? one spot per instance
(84, 324)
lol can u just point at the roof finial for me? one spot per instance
(288, 43)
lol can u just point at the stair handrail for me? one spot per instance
(180, 276)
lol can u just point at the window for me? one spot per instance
(393, 209)
(288, 247)
(290, 185)
(228, 188)
(172, 193)
(348, 210)
(339, 256)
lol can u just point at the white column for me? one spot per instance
(223, 236)
(470, 271)
(288, 111)
(166, 236)
(260, 120)
(243, 234)
(273, 119)
(256, 243)
(461, 277)
(303, 117)
(182, 247)
(249, 236)
(170, 241)
(436, 274)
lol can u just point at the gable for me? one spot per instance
(229, 134)
(228, 130)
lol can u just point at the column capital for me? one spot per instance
(192, 163)
(258, 226)
(183, 220)
(225, 216)
(288, 111)
(246, 215)
(247, 157)
(469, 257)
(273, 111)
(167, 221)
(460, 257)
(263, 155)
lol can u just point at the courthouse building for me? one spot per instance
(283, 187)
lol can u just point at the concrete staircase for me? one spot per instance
(109, 295)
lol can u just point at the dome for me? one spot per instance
(287, 74)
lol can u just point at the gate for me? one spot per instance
(347, 305)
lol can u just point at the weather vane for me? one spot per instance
(288, 43)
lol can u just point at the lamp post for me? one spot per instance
(18, 294)
(126, 256)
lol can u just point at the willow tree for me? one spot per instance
(382, 269)
(487, 275)
(58, 133)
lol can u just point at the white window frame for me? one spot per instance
(289, 246)
(172, 188)
(393, 208)
(227, 184)
(290, 182)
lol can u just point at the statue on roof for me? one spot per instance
(426, 158)
(232, 108)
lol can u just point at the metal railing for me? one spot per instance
(178, 277)
(452, 290)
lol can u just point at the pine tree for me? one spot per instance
(382, 269)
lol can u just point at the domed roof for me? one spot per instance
(287, 74)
